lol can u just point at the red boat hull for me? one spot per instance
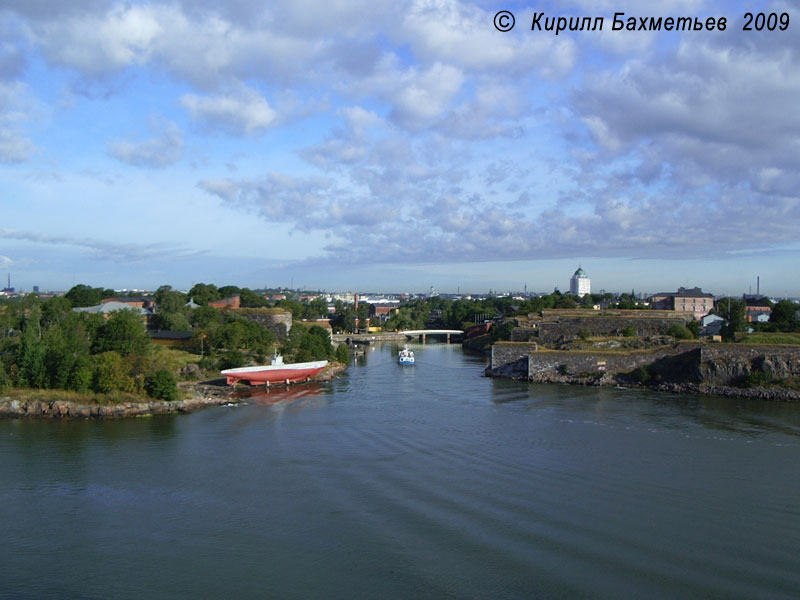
(275, 374)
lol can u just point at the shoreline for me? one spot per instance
(203, 395)
(772, 394)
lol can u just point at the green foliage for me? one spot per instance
(169, 301)
(642, 375)
(31, 358)
(205, 316)
(124, 332)
(733, 311)
(111, 374)
(251, 299)
(83, 295)
(232, 359)
(342, 354)
(172, 321)
(583, 334)
(162, 385)
(203, 293)
(694, 327)
(784, 316)
(679, 332)
(307, 344)
(629, 331)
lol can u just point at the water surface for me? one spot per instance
(428, 481)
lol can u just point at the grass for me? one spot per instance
(767, 337)
(49, 396)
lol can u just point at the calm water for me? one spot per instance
(409, 482)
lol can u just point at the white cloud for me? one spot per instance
(158, 152)
(242, 111)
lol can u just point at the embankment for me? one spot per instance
(757, 371)
(201, 395)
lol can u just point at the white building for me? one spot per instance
(580, 283)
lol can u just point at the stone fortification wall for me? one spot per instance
(683, 363)
(728, 364)
(565, 329)
(278, 323)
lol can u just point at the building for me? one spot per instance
(580, 283)
(692, 300)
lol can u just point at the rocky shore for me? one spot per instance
(201, 395)
(519, 370)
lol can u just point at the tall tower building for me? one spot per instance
(580, 283)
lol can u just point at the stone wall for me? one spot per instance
(685, 362)
(278, 323)
(565, 329)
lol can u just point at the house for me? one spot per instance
(692, 300)
(131, 302)
(712, 324)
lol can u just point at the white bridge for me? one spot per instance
(423, 333)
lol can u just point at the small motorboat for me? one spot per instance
(405, 357)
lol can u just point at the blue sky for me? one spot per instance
(396, 145)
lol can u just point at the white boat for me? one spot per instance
(275, 372)
(405, 357)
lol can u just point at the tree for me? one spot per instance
(733, 311)
(110, 374)
(83, 295)
(203, 293)
(169, 301)
(162, 385)
(343, 354)
(784, 315)
(124, 332)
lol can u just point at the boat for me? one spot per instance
(276, 372)
(405, 357)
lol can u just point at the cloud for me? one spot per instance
(15, 107)
(105, 250)
(158, 152)
(5, 262)
(242, 111)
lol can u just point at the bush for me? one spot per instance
(679, 332)
(629, 331)
(233, 359)
(343, 354)
(641, 375)
(162, 385)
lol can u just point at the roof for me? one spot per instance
(684, 293)
(166, 334)
(580, 273)
(109, 307)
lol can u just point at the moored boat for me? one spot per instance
(277, 372)
(405, 357)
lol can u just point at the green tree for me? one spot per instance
(124, 332)
(31, 358)
(169, 301)
(83, 295)
(162, 385)
(205, 316)
(203, 293)
(251, 299)
(110, 374)
(784, 315)
(343, 354)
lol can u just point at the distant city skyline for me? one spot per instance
(396, 145)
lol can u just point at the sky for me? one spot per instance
(394, 145)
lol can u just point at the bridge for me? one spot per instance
(423, 333)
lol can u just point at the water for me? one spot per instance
(409, 482)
